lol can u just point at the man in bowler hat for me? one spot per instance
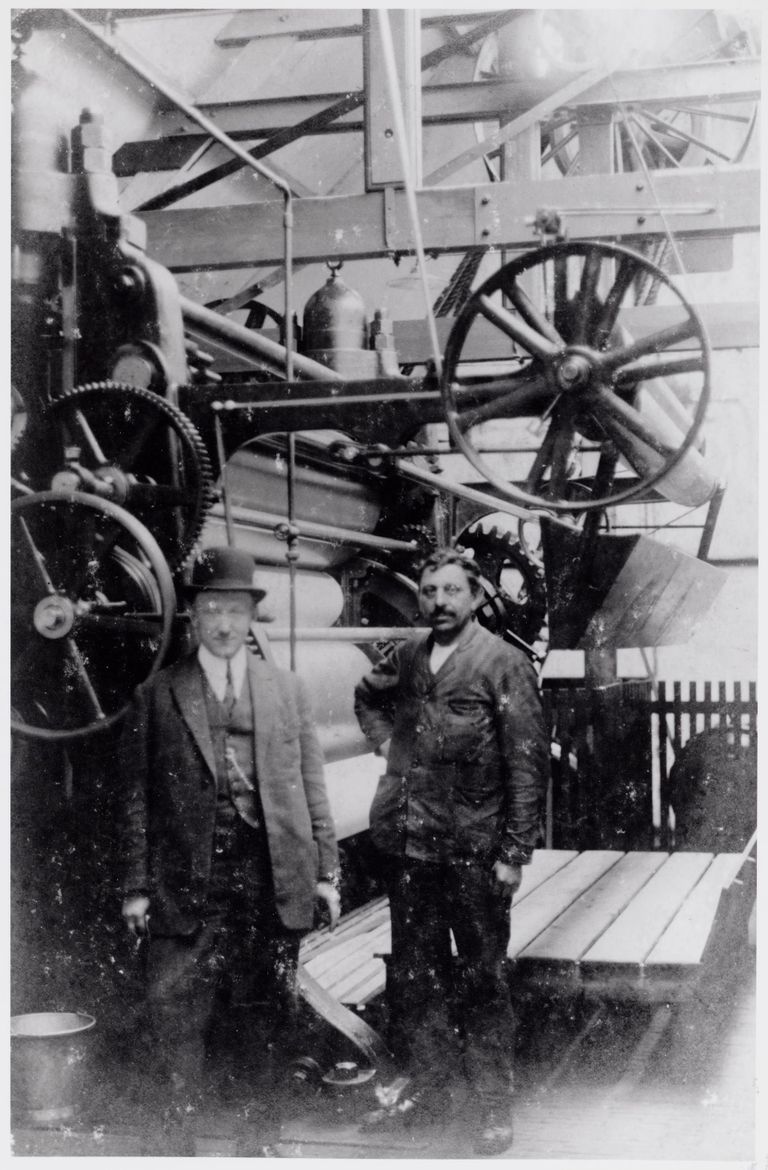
(227, 835)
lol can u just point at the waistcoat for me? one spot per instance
(233, 749)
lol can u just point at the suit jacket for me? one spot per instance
(469, 758)
(169, 784)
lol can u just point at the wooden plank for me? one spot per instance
(543, 865)
(630, 939)
(575, 930)
(330, 941)
(537, 912)
(348, 952)
(344, 987)
(370, 988)
(684, 939)
(369, 981)
(354, 921)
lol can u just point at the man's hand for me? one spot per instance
(330, 895)
(135, 912)
(507, 877)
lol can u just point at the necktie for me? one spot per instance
(229, 693)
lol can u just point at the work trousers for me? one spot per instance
(241, 955)
(450, 1012)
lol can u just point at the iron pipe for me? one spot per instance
(212, 326)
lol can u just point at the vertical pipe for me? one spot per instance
(291, 553)
(288, 246)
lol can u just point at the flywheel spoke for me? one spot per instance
(626, 273)
(516, 329)
(623, 421)
(646, 131)
(561, 293)
(664, 367)
(676, 132)
(523, 400)
(37, 557)
(531, 314)
(78, 422)
(84, 677)
(587, 298)
(653, 343)
(717, 115)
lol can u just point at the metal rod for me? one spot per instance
(713, 511)
(351, 400)
(214, 326)
(493, 503)
(312, 531)
(223, 474)
(291, 552)
(342, 633)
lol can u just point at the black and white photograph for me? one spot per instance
(383, 581)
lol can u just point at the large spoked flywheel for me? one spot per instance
(565, 397)
(92, 604)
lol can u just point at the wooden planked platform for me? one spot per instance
(602, 923)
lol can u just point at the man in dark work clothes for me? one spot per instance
(228, 838)
(458, 717)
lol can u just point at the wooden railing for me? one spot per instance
(614, 748)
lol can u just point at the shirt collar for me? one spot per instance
(216, 668)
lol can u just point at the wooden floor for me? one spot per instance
(649, 1083)
(632, 1042)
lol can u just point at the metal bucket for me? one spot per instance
(48, 1051)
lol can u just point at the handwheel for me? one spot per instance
(577, 395)
(92, 603)
(127, 445)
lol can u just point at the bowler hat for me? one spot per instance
(225, 570)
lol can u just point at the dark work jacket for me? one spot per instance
(468, 761)
(169, 787)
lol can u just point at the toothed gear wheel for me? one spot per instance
(515, 594)
(125, 444)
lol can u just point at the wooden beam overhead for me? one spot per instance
(256, 24)
(704, 83)
(453, 219)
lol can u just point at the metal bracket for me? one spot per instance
(487, 218)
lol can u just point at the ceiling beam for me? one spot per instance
(702, 83)
(692, 201)
(314, 23)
